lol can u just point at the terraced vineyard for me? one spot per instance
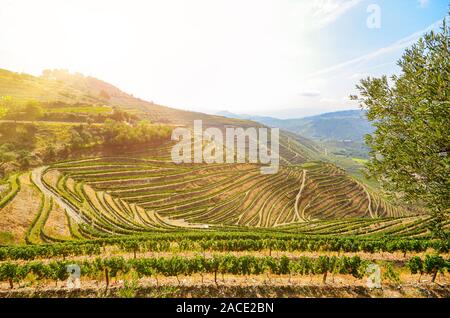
(109, 196)
(126, 196)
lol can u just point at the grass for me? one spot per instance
(360, 161)
(14, 188)
(6, 238)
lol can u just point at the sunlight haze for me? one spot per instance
(252, 56)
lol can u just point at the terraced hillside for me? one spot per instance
(130, 193)
(122, 196)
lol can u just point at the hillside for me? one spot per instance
(109, 191)
(348, 125)
(59, 85)
(137, 194)
(341, 132)
(116, 195)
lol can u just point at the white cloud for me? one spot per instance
(343, 100)
(423, 3)
(317, 14)
(325, 12)
(397, 46)
(341, 78)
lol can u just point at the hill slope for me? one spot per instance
(340, 132)
(127, 193)
(59, 85)
(342, 125)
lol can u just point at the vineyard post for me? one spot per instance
(215, 276)
(435, 272)
(107, 277)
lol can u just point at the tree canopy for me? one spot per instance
(411, 113)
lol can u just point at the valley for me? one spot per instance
(95, 185)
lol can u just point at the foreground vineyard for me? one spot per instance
(228, 267)
(149, 222)
(223, 242)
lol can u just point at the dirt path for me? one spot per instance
(297, 199)
(369, 208)
(36, 176)
(3, 187)
(230, 287)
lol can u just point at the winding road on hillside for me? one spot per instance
(36, 176)
(297, 199)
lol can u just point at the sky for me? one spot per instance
(283, 58)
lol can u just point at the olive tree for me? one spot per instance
(411, 115)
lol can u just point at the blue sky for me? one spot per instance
(399, 19)
(285, 58)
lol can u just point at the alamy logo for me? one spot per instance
(73, 281)
(249, 145)
(374, 279)
(374, 19)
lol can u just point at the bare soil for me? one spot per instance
(233, 287)
(17, 216)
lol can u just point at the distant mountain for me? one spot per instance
(351, 125)
(341, 133)
(342, 126)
